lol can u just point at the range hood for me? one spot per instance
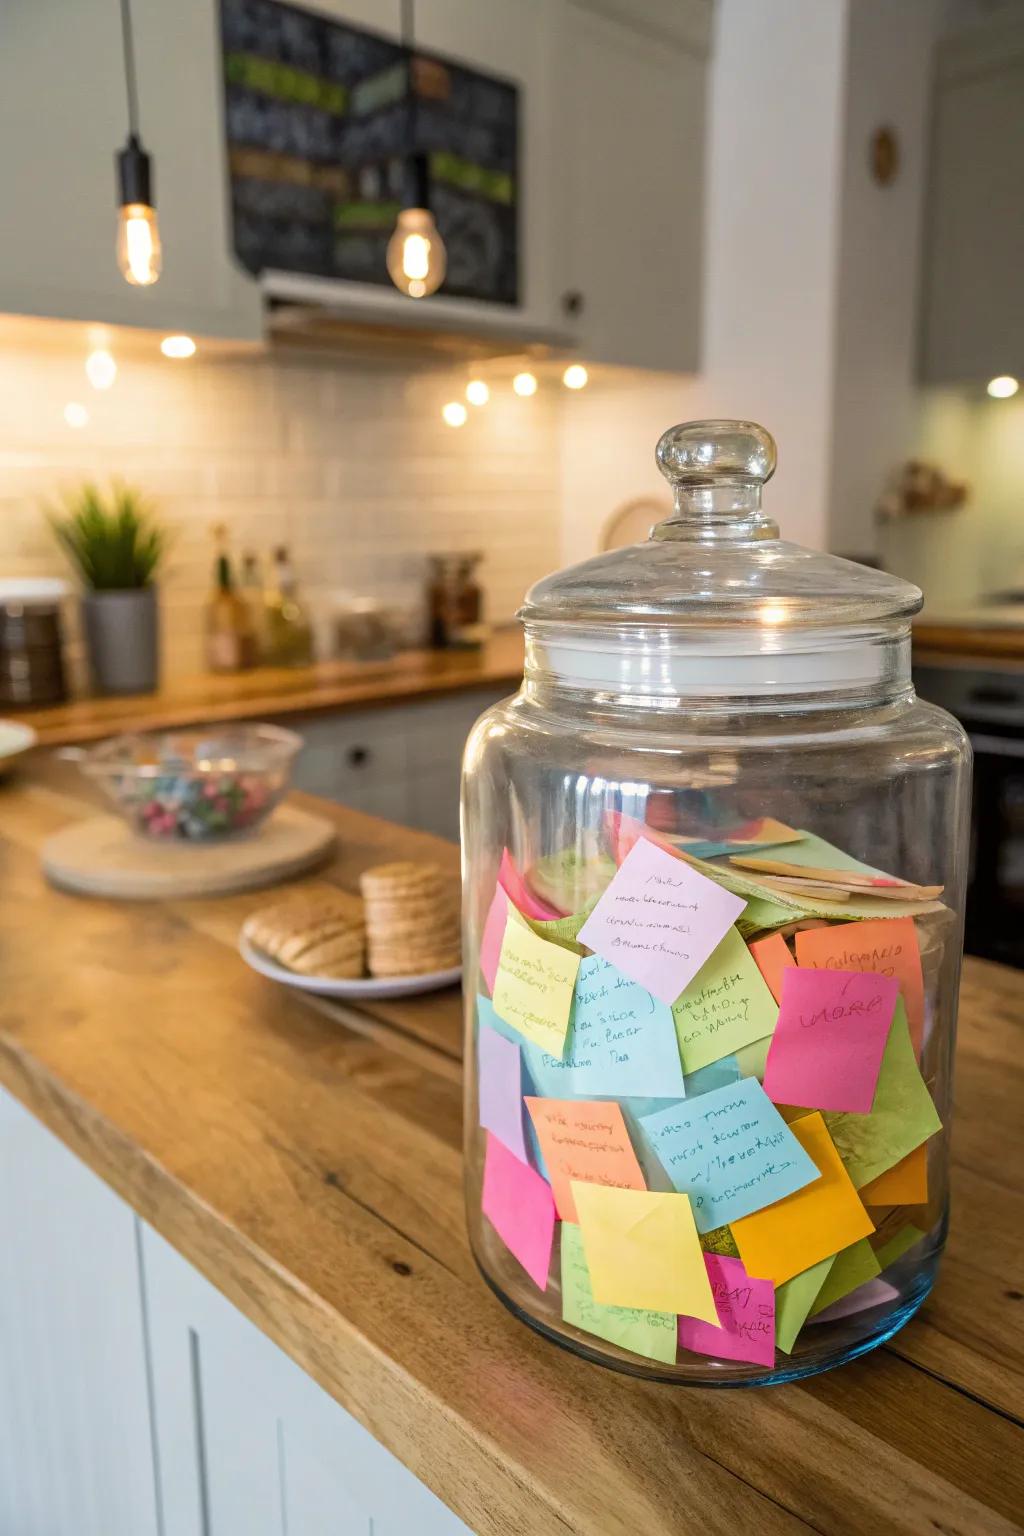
(325, 312)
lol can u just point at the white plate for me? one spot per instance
(15, 738)
(335, 986)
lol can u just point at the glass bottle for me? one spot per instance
(251, 591)
(230, 640)
(288, 633)
(455, 602)
(714, 855)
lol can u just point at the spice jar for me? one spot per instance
(715, 852)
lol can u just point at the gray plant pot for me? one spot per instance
(121, 639)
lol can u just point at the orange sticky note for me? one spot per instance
(886, 945)
(584, 1139)
(906, 1183)
(773, 956)
(786, 1238)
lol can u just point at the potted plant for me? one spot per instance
(115, 545)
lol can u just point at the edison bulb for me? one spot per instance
(477, 392)
(138, 244)
(524, 384)
(100, 368)
(416, 254)
(575, 376)
(1003, 388)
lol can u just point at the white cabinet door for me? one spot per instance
(248, 1443)
(76, 1450)
(630, 152)
(63, 117)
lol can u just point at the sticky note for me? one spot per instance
(643, 1250)
(746, 1316)
(751, 1058)
(772, 956)
(652, 1334)
(518, 1204)
(815, 853)
(760, 913)
(745, 838)
(902, 1115)
(624, 832)
(906, 1238)
(730, 1150)
(725, 1006)
(905, 1183)
(518, 891)
(794, 1299)
(500, 1089)
(533, 987)
(885, 946)
(717, 1074)
(584, 1139)
(786, 1238)
(493, 934)
(571, 878)
(659, 920)
(874, 1293)
(853, 1267)
(827, 1048)
(720, 1240)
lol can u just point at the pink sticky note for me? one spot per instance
(521, 1208)
(659, 920)
(828, 1043)
(519, 892)
(624, 832)
(500, 1089)
(746, 1312)
(494, 932)
(873, 1293)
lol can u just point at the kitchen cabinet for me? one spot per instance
(973, 249)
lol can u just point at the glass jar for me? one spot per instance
(715, 852)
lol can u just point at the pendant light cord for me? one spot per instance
(131, 87)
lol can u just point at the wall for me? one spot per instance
(348, 464)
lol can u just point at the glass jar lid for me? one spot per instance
(714, 601)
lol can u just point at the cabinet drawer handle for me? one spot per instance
(358, 757)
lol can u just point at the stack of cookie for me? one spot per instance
(412, 919)
(318, 931)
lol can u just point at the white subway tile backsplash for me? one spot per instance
(346, 462)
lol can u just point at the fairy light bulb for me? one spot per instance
(454, 413)
(525, 384)
(100, 368)
(178, 346)
(1003, 388)
(477, 392)
(416, 256)
(575, 376)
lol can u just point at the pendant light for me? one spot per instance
(416, 256)
(138, 234)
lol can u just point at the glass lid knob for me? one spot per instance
(716, 470)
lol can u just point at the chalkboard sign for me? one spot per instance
(322, 120)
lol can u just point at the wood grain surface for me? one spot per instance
(939, 644)
(306, 1158)
(274, 691)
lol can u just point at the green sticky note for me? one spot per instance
(898, 1245)
(726, 1006)
(853, 1267)
(751, 1058)
(814, 853)
(562, 930)
(794, 1300)
(902, 1115)
(572, 878)
(721, 1241)
(652, 1334)
(760, 914)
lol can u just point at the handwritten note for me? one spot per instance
(772, 956)
(583, 1139)
(652, 1334)
(902, 1115)
(730, 1151)
(725, 1006)
(853, 1267)
(793, 1301)
(518, 1204)
(905, 1183)
(786, 1238)
(642, 1250)
(493, 934)
(827, 1048)
(500, 1073)
(884, 946)
(746, 1316)
(659, 920)
(533, 987)
(516, 888)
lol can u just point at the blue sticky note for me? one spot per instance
(730, 1150)
(621, 1043)
(717, 1074)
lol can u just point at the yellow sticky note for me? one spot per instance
(643, 1250)
(788, 1237)
(534, 986)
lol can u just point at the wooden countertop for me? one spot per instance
(306, 1158)
(273, 691)
(943, 644)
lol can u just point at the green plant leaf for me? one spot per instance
(114, 541)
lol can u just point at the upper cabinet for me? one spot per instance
(973, 251)
(608, 215)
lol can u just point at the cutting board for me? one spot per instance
(104, 857)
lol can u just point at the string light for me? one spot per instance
(477, 392)
(75, 414)
(525, 384)
(1004, 387)
(455, 413)
(575, 376)
(100, 368)
(178, 346)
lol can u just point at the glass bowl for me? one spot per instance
(196, 786)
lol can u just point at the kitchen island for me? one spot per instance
(303, 1159)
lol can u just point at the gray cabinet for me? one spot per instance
(973, 247)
